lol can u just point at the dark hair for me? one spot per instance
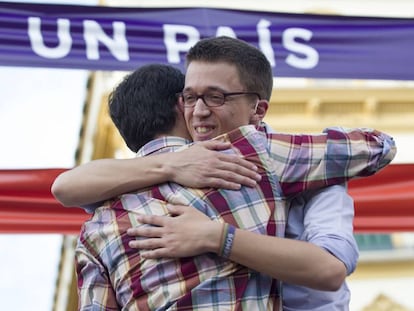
(255, 71)
(143, 105)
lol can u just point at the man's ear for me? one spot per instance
(180, 105)
(260, 111)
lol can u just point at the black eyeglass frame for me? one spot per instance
(202, 96)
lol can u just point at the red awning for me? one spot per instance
(27, 205)
(383, 202)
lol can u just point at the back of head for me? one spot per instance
(144, 104)
(255, 71)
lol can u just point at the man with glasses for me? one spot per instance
(321, 250)
(212, 80)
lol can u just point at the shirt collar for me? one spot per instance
(159, 145)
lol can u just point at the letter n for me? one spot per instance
(118, 45)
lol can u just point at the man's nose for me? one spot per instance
(200, 107)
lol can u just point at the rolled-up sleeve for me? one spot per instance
(95, 291)
(325, 218)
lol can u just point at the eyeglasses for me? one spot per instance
(211, 98)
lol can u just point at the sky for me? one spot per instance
(40, 117)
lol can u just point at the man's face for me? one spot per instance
(205, 122)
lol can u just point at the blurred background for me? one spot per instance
(56, 118)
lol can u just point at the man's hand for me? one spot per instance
(188, 233)
(202, 166)
(199, 166)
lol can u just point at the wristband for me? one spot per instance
(227, 243)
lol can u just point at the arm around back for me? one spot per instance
(199, 166)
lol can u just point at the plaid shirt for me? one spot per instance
(112, 276)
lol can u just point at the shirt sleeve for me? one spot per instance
(90, 208)
(325, 218)
(95, 291)
(305, 162)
